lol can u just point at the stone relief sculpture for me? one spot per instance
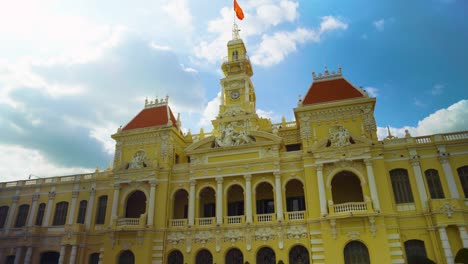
(139, 160)
(230, 137)
(338, 136)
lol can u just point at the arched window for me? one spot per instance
(10, 259)
(136, 205)
(434, 185)
(82, 212)
(22, 215)
(94, 258)
(415, 251)
(266, 255)
(346, 187)
(264, 198)
(175, 257)
(401, 186)
(235, 55)
(204, 257)
(356, 252)
(463, 174)
(50, 257)
(295, 196)
(101, 210)
(180, 208)
(3, 215)
(234, 256)
(60, 215)
(40, 214)
(127, 257)
(299, 255)
(235, 200)
(207, 202)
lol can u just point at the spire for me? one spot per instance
(390, 136)
(235, 31)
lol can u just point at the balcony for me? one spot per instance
(178, 222)
(206, 221)
(265, 218)
(293, 216)
(350, 207)
(232, 220)
(131, 223)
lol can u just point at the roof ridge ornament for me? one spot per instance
(157, 102)
(235, 31)
(327, 75)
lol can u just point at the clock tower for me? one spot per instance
(237, 109)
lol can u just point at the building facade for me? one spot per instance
(320, 189)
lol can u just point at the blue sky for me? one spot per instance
(72, 72)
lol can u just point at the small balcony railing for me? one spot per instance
(128, 221)
(297, 215)
(350, 207)
(238, 219)
(205, 221)
(261, 218)
(178, 222)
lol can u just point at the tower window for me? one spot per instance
(235, 55)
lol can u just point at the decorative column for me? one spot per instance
(372, 186)
(191, 209)
(50, 203)
(279, 197)
(101, 255)
(19, 250)
(321, 188)
(75, 194)
(11, 213)
(151, 203)
(248, 197)
(446, 245)
(463, 235)
(419, 182)
(444, 160)
(62, 254)
(219, 200)
(27, 257)
(115, 202)
(89, 209)
(31, 215)
(73, 254)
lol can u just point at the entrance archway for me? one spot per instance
(127, 257)
(175, 257)
(299, 255)
(136, 205)
(356, 252)
(266, 255)
(204, 257)
(50, 257)
(234, 256)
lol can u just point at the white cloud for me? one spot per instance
(450, 119)
(372, 91)
(275, 118)
(419, 103)
(437, 89)
(160, 47)
(273, 49)
(20, 162)
(379, 24)
(179, 12)
(210, 112)
(188, 69)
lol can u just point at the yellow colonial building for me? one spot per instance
(320, 189)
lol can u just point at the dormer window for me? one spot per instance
(235, 55)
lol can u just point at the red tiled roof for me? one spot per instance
(149, 117)
(330, 90)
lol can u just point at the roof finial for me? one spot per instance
(390, 136)
(235, 31)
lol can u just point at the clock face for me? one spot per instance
(235, 94)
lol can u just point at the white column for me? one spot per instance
(321, 188)
(19, 250)
(101, 255)
(50, 203)
(446, 245)
(75, 194)
(449, 176)
(115, 202)
(151, 203)
(419, 182)
(372, 186)
(33, 212)
(219, 200)
(191, 209)
(11, 214)
(248, 197)
(73, 255)
(89, 210)
(463, 235)
(279, 197)
(27, 257)
(62, 254)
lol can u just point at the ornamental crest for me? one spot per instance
(338, 136)
(175, 238)
(139, 160)
(230, 136)
(296, 232)
(233, 236)
(264, 234)
(203, 237)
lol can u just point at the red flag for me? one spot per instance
(238, 10)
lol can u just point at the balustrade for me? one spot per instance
(297, 215)
(128, 221)
(265, 217)
(205, 221)
(350, 207)
(178, 222)
(238, 219)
